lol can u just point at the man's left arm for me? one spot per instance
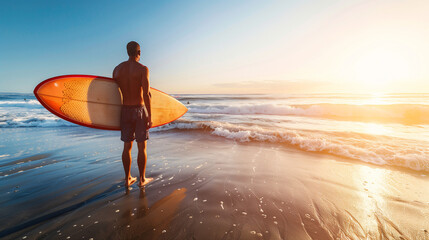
(146, 94)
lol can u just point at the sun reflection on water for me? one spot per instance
(374, 99)
(375, 129)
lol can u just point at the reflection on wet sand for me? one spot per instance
(372, 191)
(141, 221)
(376, 188)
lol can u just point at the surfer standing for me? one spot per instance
(133, 80)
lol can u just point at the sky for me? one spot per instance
(225, 47)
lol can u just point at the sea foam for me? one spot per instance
(381, 150)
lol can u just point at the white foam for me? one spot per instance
(373, 150)
(13, 102)
(27, 113)
(30, 104)
(35, 118)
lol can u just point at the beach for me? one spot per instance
(220, 172)
(304, 120)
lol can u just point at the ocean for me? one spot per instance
(390, 129)
(320, 166)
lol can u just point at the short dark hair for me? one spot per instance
(132, 48)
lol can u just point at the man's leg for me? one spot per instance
(126, 161)
(141, 161)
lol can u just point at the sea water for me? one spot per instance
(389, 129)
(260, 161)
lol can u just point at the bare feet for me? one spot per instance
(131, 181)
(146, 181)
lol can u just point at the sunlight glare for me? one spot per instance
(372, 192)
(375, 129)
(380, 68)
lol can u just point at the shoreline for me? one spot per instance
(207, 189)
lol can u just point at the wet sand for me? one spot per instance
(67, 184)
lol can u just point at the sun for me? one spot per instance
(379, 69)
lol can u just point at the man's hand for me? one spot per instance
(149, 124)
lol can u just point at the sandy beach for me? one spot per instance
(67, 184)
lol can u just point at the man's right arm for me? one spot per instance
(115, 78)
(146, 94)
(114, 73)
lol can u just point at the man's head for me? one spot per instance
(133, 50)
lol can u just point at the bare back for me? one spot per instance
(133, 81)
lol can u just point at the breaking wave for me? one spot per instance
(394, 113)
(29, 120)
(26, 112)
(237, 119)
(381, 150)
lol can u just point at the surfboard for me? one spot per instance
(95, 102)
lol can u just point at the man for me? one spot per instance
(133, 80)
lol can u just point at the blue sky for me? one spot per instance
(222, 46)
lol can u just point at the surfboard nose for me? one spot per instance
(48, 87)
(47, 93)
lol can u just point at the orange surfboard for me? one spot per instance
(95, 101)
